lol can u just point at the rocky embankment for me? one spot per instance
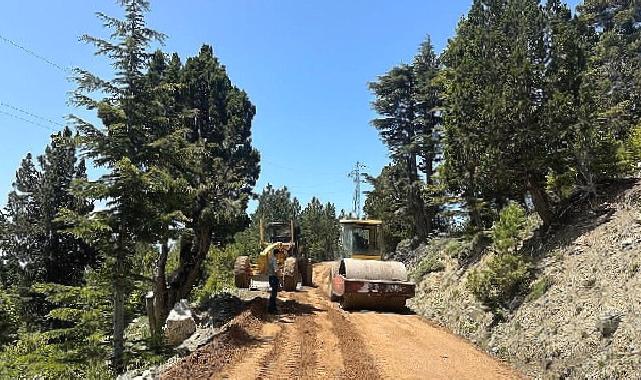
(579, 317)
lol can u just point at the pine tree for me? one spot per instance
(276, 205)
(498, 146)
(127, 114)
(22, 230)
(428, 104)
(319, 230)
(386, 201)
(612, 87)
(34, 236)
(217, 167)
(400, 128)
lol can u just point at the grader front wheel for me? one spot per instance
(241, 272)
(290, 274)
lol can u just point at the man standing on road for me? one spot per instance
(272, 272)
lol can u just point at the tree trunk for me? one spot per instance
(160, 309)
(474, 212)
(541, 203)
(415, 202)
(119, 313)
(192, 254)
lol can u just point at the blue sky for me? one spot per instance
(305, 65)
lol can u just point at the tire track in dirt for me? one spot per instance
(359, 363)
(280, 361)
(313, 338)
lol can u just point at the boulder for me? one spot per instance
(180, 324)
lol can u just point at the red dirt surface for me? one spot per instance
(313, 338)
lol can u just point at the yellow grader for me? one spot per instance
(361, 280)
(281, 239)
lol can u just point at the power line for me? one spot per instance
(31, 114)
(27, 120)
(35, 55)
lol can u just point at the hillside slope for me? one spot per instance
(582, 315)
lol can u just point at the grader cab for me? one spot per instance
(362, 280)
(282, 240)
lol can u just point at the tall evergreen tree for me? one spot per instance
(126, 111)
(400, 128)
(428, 108)
(497, 144)
(319, 230)
(34, 236)
(612, 88)
(276, 205)
(218, 166)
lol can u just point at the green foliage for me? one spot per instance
(9, 317)
(386, 202)
(512, 78)
(276, 205)
(539, 287)
(33, 356)
(432, 262)
(505, 274)
(407, 98)
(76, 345)
(510, 229)
(561, 185)
(499, 280)
(218, 271)
(32, 233)
(320, 231)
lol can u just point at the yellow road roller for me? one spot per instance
(362, 280)
(281, 239)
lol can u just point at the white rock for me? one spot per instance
(180, 324)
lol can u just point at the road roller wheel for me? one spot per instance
(241, 272)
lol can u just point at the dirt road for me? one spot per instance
(315, 339)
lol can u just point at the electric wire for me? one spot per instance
(35, 55)
(31, 114)
(43, 126)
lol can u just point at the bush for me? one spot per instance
(499, 281)
(510, 229)
(429, 264)
(504, 276)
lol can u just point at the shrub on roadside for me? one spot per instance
(510, 229)
(429, 264)
(218, 271)
(499, 280)
(504, 275)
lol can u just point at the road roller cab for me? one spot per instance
(361, 280)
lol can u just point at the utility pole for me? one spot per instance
(357, 177)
